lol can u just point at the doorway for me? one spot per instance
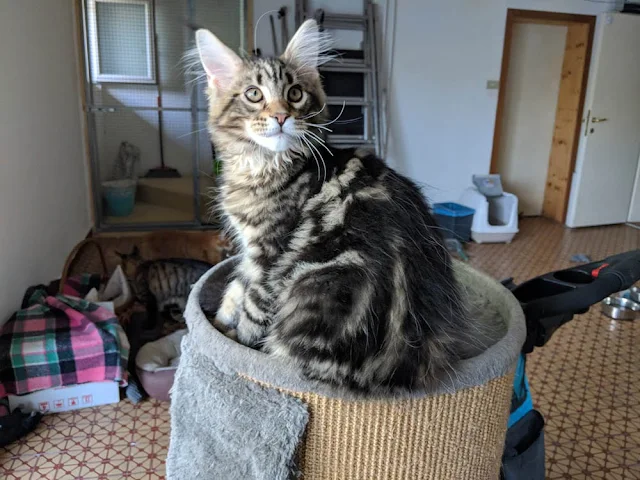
(545, 67)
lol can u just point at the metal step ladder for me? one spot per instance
(355, 68)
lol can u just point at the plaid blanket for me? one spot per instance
(58, 341)
(80, 285)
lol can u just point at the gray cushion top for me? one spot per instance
(497, 315)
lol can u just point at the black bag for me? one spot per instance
(524, 449)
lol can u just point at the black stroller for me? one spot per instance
(549, 301)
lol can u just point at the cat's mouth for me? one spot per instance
(275, 140)
(276, 134)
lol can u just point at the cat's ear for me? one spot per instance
(123, 256)
(308, 48)
(220, 63)
(135, 253)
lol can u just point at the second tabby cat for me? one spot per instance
(162, 284)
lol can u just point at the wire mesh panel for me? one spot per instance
(141, 98)
(123, 38)
(209, 168)
(127, 147)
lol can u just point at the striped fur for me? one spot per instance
(342, 269)
(164, 283)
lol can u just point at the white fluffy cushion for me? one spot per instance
(162, 354)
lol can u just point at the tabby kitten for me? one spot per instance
(342, 269)
(162, 284)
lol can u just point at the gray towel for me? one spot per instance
(224, 427)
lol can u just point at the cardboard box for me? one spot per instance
(64, 399)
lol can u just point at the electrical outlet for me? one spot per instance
(493, 84)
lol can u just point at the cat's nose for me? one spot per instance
(281, 118)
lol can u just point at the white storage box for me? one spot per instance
(63, 399)
(496, 218)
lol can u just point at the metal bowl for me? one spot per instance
(620, 308)
(633, 293)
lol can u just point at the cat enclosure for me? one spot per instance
(152, 163)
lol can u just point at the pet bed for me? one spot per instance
(237, 413)
(156, 364)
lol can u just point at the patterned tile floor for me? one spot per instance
(585, 383)
(113, 441)
(586, 380)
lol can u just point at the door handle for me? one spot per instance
(586, 122)
(598, 120)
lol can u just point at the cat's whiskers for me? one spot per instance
(313, 151)
(324, 165)
(344, 104)
(194, 132)
(255, 30)
(319, 127)
(312, 114)
(310, 141)
(304, 145)
(319, 140)
(350, 120)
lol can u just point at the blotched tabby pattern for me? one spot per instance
(162, 283)
(343, 270)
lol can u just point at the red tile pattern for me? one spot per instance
(114, 441)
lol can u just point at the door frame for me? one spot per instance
(515, 16)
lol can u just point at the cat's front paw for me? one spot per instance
(249, 334)
(227, 314)
(232, 334)
(221, 326)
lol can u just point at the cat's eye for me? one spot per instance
(294, 94)
(253, 94)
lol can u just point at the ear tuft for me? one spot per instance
(220, 63)
(308, 48)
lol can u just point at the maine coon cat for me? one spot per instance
(342, 268)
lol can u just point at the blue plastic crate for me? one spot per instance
(454, 219)
(452, 209)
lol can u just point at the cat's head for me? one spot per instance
(266, 106)
(130, 261)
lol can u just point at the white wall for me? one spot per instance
(535, 71)
(442, 115)
(43, 195)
